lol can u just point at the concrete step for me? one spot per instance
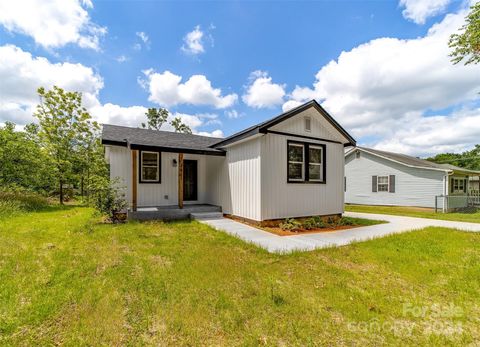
(206, 215)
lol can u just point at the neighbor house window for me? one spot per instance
(382, 183)
(149, 167)
(459, 185)
(306, 162)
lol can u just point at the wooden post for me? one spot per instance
(180, 180)
(134, 180)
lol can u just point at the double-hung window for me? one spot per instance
(382, 184)
(149, 167)
(306, 162)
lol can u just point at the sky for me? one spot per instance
(380, 68)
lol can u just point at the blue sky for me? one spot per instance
(393, 87)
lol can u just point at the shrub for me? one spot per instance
(18, 201)
(314, 222)
(107, 198)
(346, 221)
(290, 224)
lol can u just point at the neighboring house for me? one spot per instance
(289, 166)
(374, 177)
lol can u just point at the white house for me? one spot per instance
(289, 166)
(374, 177)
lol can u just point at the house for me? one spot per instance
(374, 177)
(289, 166)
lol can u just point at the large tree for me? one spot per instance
(156, 118)
(466, 44)
(66, 132)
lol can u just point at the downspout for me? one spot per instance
(446, 190)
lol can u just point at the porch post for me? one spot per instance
(180, 180)
(134, 180)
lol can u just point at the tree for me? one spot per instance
(156, 118)
(65, 128)
(466, 44)
(179, 126)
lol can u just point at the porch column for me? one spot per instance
(180, 180)
(134, 180)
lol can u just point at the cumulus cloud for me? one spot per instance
(166, 89)
(233, 114)
(193, 41)
(386, 84)
(144, 39)
(419, 10)
(262, 92)
(53, 23)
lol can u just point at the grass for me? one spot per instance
(66, 279)
(12, 203)
(473, 217)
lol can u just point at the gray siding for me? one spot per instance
(413, 186)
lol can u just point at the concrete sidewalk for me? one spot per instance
(284, 244)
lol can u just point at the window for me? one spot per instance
(295, 162)
(306, 162)
(357, 154)
(308, 124)
(382, 183)
(459, 185)
(149, 167)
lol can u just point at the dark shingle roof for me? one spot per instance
(413, 161)
(165, 140)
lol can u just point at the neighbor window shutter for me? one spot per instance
(465, 186)
(374, 184)
(391, 186)
(451, 185)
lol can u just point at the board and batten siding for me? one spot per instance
(281, 199)
(413, 186)
(155, 194)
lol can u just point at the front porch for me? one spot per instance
(171, 212)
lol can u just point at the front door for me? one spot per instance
(189, 180)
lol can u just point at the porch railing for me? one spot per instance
(452, 203)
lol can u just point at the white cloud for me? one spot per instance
(419, 10)
(385, 86)
(167, 90)
(114, 114)
(193, 42)
(262, 92)
(144, 38)
(216, 133)
(52, 23)
(122, 58)
(233, 114)
(21, 76)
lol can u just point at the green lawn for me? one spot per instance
(65, 279)
(473, 217)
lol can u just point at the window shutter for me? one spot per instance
(345, 184)
(465, 186)
(391, 186)
(451, 185)
(374, 184)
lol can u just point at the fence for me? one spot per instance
(451, 203)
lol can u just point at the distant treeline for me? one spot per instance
(468, 159)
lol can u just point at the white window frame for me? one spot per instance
(296, 162)
(157, 166)
(382, 184)
(309, 120)
(459, 185)
(319, 164)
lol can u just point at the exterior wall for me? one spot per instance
(281, 199)
(155, 194)
(413, 186)
(234, 182)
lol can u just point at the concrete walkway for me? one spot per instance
(306, 242)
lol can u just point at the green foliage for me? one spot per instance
(155, 118)
(179, 126)
(107, 197)
(290, 224)
(468, 159)
(345, 221)
(17, 201)
(314, 222)
(466, 44)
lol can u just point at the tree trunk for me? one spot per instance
(61, 192)
(81, 187)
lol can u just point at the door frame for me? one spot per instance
(195, 179)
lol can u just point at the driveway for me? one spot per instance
(307, 242)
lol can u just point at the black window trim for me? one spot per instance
(306, 161)
(140, 168)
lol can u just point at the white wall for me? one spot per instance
(156, 194)
(281, 199)
(413, 186)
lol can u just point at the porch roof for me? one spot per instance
(165, 141)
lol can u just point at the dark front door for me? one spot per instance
(189, 180)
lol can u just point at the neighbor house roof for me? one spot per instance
(262, 127)
(413, 161)
(166, 141)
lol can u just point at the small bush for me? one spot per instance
(290, 224)
(18, 201)
(108, 199)
(344, 221)
(314, 222)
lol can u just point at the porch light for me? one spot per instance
(174, 162)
